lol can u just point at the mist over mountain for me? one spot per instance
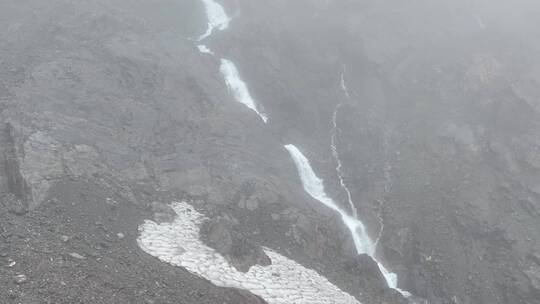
(299, 151)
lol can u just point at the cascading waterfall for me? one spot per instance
(218, 19)
(391, 278)
(239, 87)
(161, 239)
(344, 85)
(314, 186)
(335, 153)
(387, 181)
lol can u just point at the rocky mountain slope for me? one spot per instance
(109, 112)
(438, 138)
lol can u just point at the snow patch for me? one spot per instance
(283, 282)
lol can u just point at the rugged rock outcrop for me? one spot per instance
(220, 233)
(438, 139)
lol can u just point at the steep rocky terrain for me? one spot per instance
(109, 103)
(108, 106)
(438, 139)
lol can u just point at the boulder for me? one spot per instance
(223, 235)
(163, 213)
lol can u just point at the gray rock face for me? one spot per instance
(162, 212)
(230, 242)
(365, 267)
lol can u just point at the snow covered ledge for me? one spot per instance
(282, 282)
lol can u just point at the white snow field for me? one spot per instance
(283, 282)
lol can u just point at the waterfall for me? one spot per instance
(238, 87)
(217, 18)
(335, 153)
(314, 186)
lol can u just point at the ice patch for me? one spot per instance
(239, 87)
(217, 18)
(283, 282)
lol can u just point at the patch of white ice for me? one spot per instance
(283, 282)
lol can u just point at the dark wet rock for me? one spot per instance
(16, 183)
(364, 266)
(223, 235)
(163, 213)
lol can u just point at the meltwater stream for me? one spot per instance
(314, 186)
(239, 87)
(218, 19)
(335, 153)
